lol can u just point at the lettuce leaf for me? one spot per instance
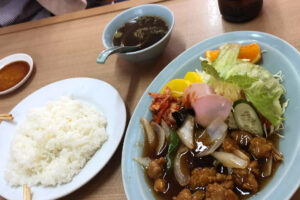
(259, 85)
(222, 88)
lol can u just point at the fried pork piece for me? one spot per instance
(245, 179)
(186, 194)
(203, 176)
(243, 138)
(225, 180)
(260, 147)
(231, 146)
(198, 195)
(253, 167)
(163, 105)
(160, 185)
(156, 168)
(216, 191)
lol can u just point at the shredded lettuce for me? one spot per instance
(279, 76)
(258, 84)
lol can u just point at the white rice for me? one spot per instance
(54, 143)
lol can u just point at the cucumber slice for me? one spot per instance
(247, 118)
(231, 122)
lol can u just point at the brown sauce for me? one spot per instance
(12, 74)
(207, 161)
(144, 31)
(262, 181)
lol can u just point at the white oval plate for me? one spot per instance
(90, 91)
(13, 58)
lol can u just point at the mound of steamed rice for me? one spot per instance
(54, 143)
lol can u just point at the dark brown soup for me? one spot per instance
(143, 30)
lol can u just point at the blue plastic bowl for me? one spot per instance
(148, 9)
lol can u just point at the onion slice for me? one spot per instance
(217, 131)
(267, 167)
(182, 173)
(144, 161)
(149, 132)
(161, 136)
(241, 154)
(166, 128)
(186, 132)
(230, 160)
(276, 154)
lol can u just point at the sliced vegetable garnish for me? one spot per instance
(149, 133)
(208, 108)
(193, 77)
(250, 51)
(173, 146)
(247, 118)
(161, 136)
(231, 122)
(143, 161)
(259, 85)
(186, 132)
(181, 170)
(177, 87)
(267, 167)
(230, 160)
(217, 131)
(221, 87)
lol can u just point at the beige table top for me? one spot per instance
(67, 46)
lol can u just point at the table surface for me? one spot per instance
(67, 46)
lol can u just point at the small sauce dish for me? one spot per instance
(14, 71)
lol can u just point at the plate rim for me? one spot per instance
(294, 188)
(121, 128)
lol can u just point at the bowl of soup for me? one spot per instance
(147, 26)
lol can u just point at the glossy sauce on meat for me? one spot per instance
(12, 74)
(243, 194)
(143, 30)
(207, 161)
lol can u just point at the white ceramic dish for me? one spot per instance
(91, 91)
(13, 58)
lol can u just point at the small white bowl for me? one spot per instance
(14, 58)
(147, 9)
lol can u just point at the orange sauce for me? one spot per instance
(12, 74)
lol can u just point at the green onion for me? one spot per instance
(173, 146)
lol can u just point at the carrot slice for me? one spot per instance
(249, 51)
